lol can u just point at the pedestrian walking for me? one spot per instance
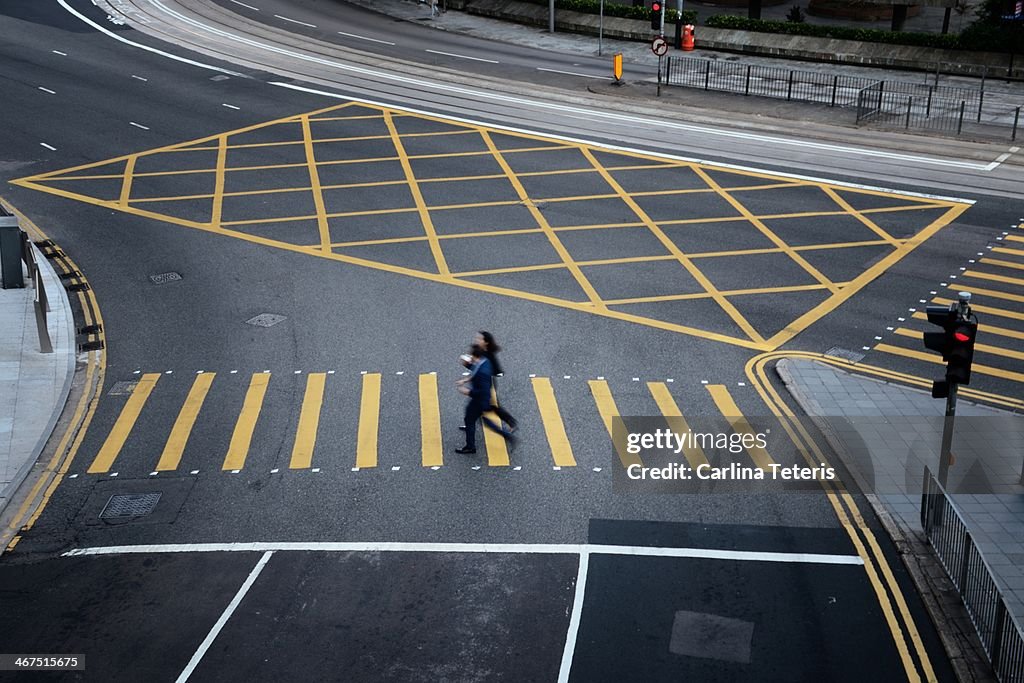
(485, 340)
(478, 388)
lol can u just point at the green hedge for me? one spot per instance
(612, 9)
(974, 38)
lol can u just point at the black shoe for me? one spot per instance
(465, 450)
(511, 441)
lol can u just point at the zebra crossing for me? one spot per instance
(165, 422)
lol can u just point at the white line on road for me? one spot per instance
(101, 29)
(232, 606)
(452, 54)
(256, 9)
(229, 106)
(1001, 158)
(138, 125)
(58, 52)
(508, 548)
(574, 620)
(139, 78)
(47, 90)
(372, 40)
(572, 73)
(294, 21)
(49, 147)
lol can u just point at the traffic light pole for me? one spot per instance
(946, 454)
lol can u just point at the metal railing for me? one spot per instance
(1000, 635)
(906, 104)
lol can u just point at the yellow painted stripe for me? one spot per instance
(175, 446)
(241, 438)
(988, 310)
(937, 359)
(676, 422)
(126, 182)
(554, 428)
(430, 422)
(1006, 250)
(995, 294)
(497, 451)
(216, 213)
(1015, 238)
(979, 275)
(309, 420)
(369, 421)
(727, 406)
(1001, 263)
(123, 427)
(978, 346)
(314, 180)
(608, 410)
(985, 329)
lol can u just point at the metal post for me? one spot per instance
(1016, 118)
(928, 109)
(910, 104)
(960, 121)
(659, 75)
(746, 88)
(679, 25)
(997, 634)
(600, 28)
(45, 346)
(981, 100)
(965, 561)
(947, 433)
(551, 16)
(707, 73)
(668, 71)
(835, 88)
(789, 91)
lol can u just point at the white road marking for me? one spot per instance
(1002, 157)
(372, 40)
(507, 548)
(230, 106)
(572, 73)
(139, 78)
(58, 52)
(49, 147)
(574, 620)
(232, 606)
(294, 21)
(101, 29)
(452, 54)
(52, 92)
(255, 9)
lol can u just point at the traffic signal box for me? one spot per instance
(956, 344)
(656, 9)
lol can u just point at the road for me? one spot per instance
(376, 218)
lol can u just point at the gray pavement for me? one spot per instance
(897, 431)
(34, 385)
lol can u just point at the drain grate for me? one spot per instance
(265, 320)
(129, 505)
(845, 354)
(164, 278)
(122, 388)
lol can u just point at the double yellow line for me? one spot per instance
(911, 648)
(95, 372)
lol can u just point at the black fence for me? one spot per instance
(889, 103)
(1000, 635)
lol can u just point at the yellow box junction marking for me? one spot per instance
(123, 427)
(241, 437)
(208, 162)
(554, 428)
(170, 458)
(309, 421)
(430, 422)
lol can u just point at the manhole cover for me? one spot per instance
(845, 354)
(164, 278)
(265, 320)
(122, 388)
(129, 505)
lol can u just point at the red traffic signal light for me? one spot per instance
(655, 6)
(955, 342)
(656, 15)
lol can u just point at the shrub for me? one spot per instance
(613, 9)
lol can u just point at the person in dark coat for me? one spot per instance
(478, 389)
(485, 340)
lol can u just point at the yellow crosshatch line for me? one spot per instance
(586, 163)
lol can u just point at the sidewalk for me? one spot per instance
(34, 385)
(892, 432)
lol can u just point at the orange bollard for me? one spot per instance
(688, 37)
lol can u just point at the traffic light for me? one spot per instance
(955, 342)
(656, 9)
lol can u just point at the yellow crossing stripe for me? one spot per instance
(123, 427)
(554, 428)
(430, 422)
(369, 422)
(609, 411)
(937, 359)
(1007, 250)
(497, 451)
(1002, 263)
(979, 275)
(175, 446)
(241, 438)
(985, 329)
(996, 294)
(727, 406)
(309, 420)
(694, 454)
(990, 310)
(978, 346)
(1015, 238)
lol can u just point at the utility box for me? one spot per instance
(10, 252)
